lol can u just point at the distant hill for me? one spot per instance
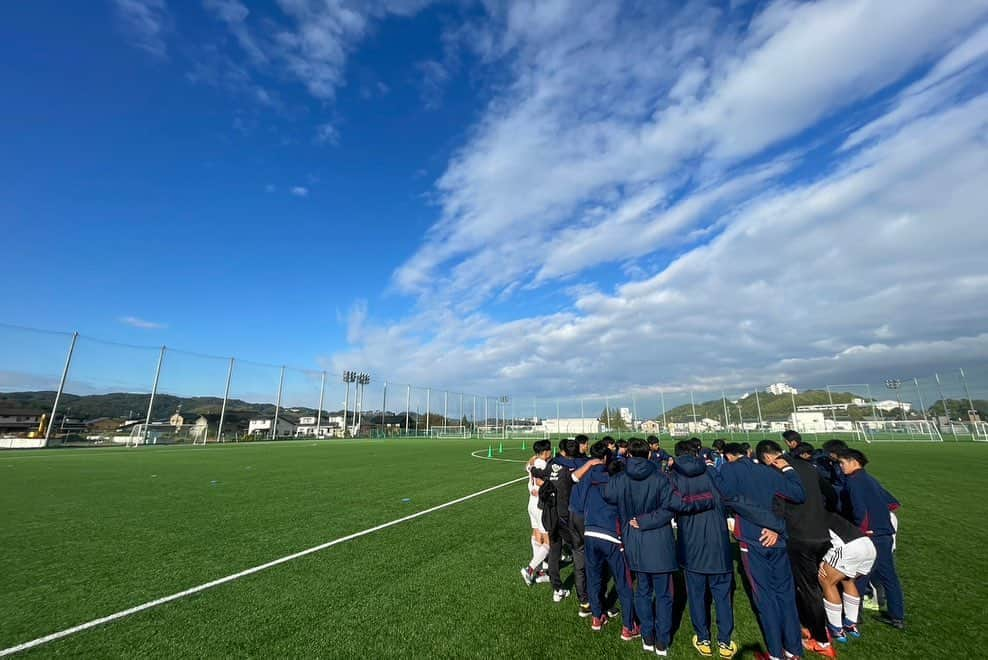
(124, 405)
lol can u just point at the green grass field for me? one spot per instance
(86, 533)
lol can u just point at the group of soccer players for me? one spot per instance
(815, 535)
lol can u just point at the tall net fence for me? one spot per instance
(60, 388)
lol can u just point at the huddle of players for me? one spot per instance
(814, 531)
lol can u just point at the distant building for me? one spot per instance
(18, 421)
(781, 388)
(626, 416)
(888, 405)
(573, 425)
(263, 427)
(651, 427)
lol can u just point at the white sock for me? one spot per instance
(852, 606)
(535, 546)
(539, 555)
(834, 613)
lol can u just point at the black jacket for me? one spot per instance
(703, 541)
(806, 522)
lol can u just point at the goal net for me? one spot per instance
(889, 430)
(163, 434)
(525, 431)
(449, 432)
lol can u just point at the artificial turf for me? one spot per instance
(88, 532)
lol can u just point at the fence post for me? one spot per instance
(277, 406)
(758, 403)
(428, 403)
(662, 402)
(445, 408)
(322, 392)
(154, 390)
(61, 386)
(226, 396)
(727, 421)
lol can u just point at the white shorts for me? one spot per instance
(535, 514)
(854, 558)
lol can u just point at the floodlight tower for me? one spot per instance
(363, 379)
(895, 385)
(348, 377)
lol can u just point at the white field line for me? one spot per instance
(491, 458)
(236, 576)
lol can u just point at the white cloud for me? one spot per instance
(143, 324)
(590, 154)
(327, 134)
(300, 191)
(145, 23)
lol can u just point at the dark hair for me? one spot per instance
(767, 447)
(582, 439)
(854, 455)
(802, 448)
(735, 449)
(540, 446)
(695, 444)
(607, 438)
(746, 447)
(652, 440)
(719, 444)
(834, 446)
(570, 446)
(600, 450)
(684, 448)
(792, 436)
(638, 448)
(622, 444)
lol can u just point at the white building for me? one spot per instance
(263, 427)
(781, 388)
(651, 427)
(330, 426)
(816, 422)
(572, 425)
(626, 416)
(888, 405)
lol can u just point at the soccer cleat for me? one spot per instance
(837, 634)
(702, 646)
(628, 635)
(542, 577)
(648, 646)
(613, 613)
(559, 594)
(727, 650)
(851, 629)
(584, 611)
(826, 650)
(869, 603)
(528, 575)
(789, 656)
(597, 623)
(661, 649)
(884, 617)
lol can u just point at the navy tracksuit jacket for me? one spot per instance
(870, 505)
(644, 493)
(704, 546)
(768, 569)
(602, 546)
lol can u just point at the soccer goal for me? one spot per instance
(449, 432)
(890, 430)
(490, 432)
(524, 431)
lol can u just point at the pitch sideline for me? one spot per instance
(244, 573)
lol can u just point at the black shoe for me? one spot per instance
(613, 613)
(884, 617)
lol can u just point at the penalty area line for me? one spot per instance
(61, 634)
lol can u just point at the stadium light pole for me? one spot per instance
(459, 422)
(277, 406)
(662, 402)
(504, 419)
(895, 385)
(758, 404)
(727, 421)
(61, 386)
(607, 413)
(226, 397)
(445, 409)
(428, 404)
(363, 379)
(384, 408)
(154, 390)
(348, 377)
(922, 406)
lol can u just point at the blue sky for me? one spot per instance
(542, 197)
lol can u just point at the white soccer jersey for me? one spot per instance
(533, 489)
